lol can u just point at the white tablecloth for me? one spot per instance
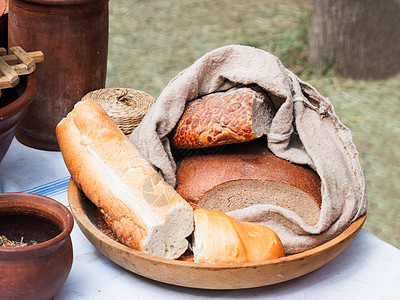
(368, 269)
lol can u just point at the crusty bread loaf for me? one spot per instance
(244, 174)
(237, 115)
(219, 238)
(143, 211)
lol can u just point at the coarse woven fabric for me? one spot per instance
(305, 130)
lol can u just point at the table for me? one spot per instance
(368, 269)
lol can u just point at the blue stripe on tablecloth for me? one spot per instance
(52, 188)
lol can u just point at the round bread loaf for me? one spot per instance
(241, 175)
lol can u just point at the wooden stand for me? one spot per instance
(15, 64)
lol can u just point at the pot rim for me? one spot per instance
(20, 103)
(48, 207)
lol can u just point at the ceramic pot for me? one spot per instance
(35, 271)
(73, 36)
(14, 103)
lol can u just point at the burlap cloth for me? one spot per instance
(305, 130)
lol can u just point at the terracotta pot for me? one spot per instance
(73, 36)
(34, 271)
(14, 103)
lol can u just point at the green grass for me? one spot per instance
(371, 110)
(152, 41)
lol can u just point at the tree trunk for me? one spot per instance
(360, 39)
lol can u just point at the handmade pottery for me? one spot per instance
(14, 103)
(37, 270)
(73, 36)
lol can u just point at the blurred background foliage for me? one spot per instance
(152, 41)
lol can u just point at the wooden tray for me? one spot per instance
(196, 275)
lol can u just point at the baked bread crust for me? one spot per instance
(237, 115)
(246, 174)
(219, 238)
(144, 212)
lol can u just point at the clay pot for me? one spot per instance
(14, 103)
(34, 271)
(73, 36)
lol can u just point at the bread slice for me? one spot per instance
(246, 174)
(143, 211)
(237, 115)
(219, 238)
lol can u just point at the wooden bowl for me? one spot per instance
(197, 275)
(35, 271)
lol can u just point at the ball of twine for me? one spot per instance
(126, 107)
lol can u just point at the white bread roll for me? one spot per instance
(219, 238)
(144, 211)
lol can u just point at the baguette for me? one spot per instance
(219, 238)
(237, 115)
(143, 211)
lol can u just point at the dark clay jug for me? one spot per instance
(73, 36)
